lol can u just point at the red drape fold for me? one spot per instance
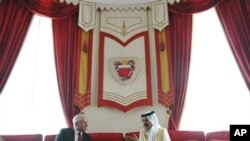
(247, 2)
(50, 8)
(192, 6)
(234, 15)
(65, 32)
(235, 18)
(14, 24)
(66, 44)
(181, 35)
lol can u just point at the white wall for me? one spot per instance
(108, 119)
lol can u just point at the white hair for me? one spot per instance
(77, 118)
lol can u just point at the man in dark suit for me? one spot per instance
(77, 133)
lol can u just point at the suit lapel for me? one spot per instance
(84, 137)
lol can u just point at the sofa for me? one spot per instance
(106, 136)
(31, 137)
(95, 137)
(179, 135)
(49, 137)
(174, 135)
(218, 136)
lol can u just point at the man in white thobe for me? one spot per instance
(151, 129)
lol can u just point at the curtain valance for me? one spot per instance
(52, 9)
(193, 6)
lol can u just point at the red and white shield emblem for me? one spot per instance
(124, 69)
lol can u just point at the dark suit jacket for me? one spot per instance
(68, 134)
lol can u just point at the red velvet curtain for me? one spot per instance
(248, 7)
(66, 44)
(65, 32)
(181, 34)
(50, 8)
(235, 17)
(193, 6)
(14, 24)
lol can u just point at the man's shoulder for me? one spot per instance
(67, 129)
(162, 130)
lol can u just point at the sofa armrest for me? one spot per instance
(49, 137)
(218, 136)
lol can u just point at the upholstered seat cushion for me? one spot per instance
(31, 137)
(179, 135)
(106, 136)
(49, 137)
(218, 136)
(95, 137)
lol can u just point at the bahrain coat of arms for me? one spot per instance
(124, 69)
